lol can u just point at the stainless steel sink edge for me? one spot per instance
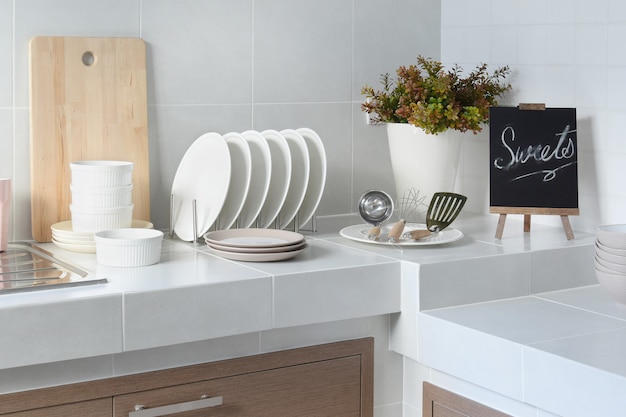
(25, 279)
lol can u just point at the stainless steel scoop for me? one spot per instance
(375, 207)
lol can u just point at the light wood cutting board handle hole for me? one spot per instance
(88, 58)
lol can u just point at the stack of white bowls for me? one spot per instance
(610, 260)
(101, 195)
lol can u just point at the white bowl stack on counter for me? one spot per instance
(102, 217)
(101, 195)
(610, 260)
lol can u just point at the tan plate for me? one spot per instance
(258, 257)
(76, 247)
(289, 248)
(64, 229)
(256, 238)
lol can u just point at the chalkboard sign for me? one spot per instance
(533, 155)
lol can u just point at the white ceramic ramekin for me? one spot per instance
(612, 235)
(98, 219)
(128, 247)
(101, 174)
(109, 197)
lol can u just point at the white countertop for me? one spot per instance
(192, 295)
(561, 351)
(518, 316)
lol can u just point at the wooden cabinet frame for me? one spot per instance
(111, 387)
(438, 402)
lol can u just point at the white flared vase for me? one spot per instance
(421, 161)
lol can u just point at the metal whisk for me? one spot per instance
(408, 210)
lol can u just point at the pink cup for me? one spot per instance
(5, 209)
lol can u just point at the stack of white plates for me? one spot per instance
(65, 237)
(610, 260)
(250, 179)
(256, 245)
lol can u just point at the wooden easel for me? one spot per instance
(528, 211)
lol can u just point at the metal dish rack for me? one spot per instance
(215, 226)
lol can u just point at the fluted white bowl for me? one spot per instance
(101, 174)
(612, 266)
(128, 247)
(98, 219)
(102, 197)
(610, 257)
(613, 284)
(607, 249)
(612, 236)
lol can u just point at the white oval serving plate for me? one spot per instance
(261, 172)
(241, 163)
(203, 176)
(280, 177)
(317, 177)
(300, 171)
(359, 233)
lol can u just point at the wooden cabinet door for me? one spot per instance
(319, 389)
(438, 402)
(441, 411)
(94, 408)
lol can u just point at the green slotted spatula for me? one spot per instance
(443, 209)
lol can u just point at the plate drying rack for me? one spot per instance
(194, 218)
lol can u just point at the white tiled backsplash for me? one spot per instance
(222, 66)
(216, 65)
(565, 53)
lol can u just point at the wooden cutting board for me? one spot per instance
(87, 101)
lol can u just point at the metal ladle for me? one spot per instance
(375, 207)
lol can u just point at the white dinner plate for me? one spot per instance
(258, 257)
(317, 176)
(203, 175)
(64, 230)
(261, 171)
(67, 238)
(359, 233)
(280, 177)
(239, 179)
(74, 241)
(75, 248)
(300, 171)
(254, 238)
(240, 249)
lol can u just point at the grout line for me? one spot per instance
(13, 222)
(580, 308)
(140, 18)
(352, 118)
(298, 103)
(252, 67)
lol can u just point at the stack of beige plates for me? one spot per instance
(65, 237)
(256, 245)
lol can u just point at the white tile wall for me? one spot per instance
(566, 53)
(230, 66)
(278, 63)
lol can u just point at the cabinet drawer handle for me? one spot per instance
(142, 411)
